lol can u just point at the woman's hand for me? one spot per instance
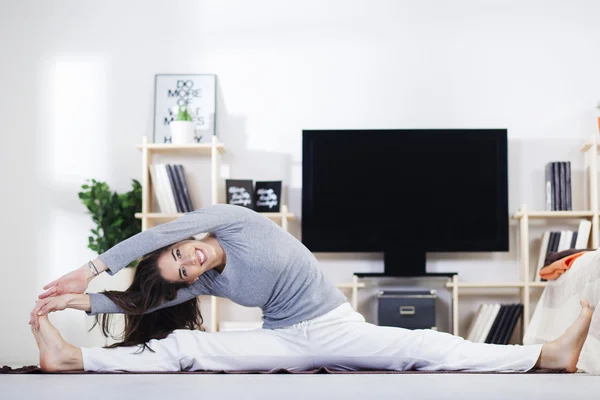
(58, 303)
(44, 306)
(74, 282)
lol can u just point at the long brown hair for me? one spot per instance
(148, 290)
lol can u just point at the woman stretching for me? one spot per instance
(307, 321)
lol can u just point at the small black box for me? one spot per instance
(408, 308)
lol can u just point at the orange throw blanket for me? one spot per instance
(557, 268)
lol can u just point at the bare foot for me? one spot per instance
(55, 354)
(563, 353)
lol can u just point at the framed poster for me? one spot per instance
(196, 90)
(267, 195)
(240, 192)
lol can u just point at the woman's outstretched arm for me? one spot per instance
(100, 304)
(58, 303)
(96, 303)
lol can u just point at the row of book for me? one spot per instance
(563, 240)
(558, 186)
(170, 188)
(494, 323)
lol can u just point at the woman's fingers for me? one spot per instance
(38, 304)
(33, 317)
(45, 306)
(51, 284)
(50, 292)
(44, 309)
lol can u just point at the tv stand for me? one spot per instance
(402, 261)
(451, 276)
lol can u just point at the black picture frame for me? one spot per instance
(267, 196)
(240, 192)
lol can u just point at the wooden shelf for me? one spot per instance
(278, 215)
(589, 146)
(479, 285)
(350, 285)
(175, 216)
(158, 215)
(197, 148)
(553, 214)
(537, 284)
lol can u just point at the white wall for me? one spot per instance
(77, 96)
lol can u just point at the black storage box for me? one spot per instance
(409, 308)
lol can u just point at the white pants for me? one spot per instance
(338, 340)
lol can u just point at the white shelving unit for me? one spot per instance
(524, 216)
(213, 150)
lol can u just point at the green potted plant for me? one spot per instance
(113, 214)
(182, 127)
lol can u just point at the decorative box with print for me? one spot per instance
(407, 308)
(267, 196)
(240, 192)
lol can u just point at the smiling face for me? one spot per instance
(185, 261)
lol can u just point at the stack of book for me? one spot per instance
(564, 240)
(494, 323)
(170, 188)
(558, 186)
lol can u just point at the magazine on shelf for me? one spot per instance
(494, 323)
(179, 172)
(177, 193)
(158, 189)
(557, 186)
(583, 234)
(163, 176)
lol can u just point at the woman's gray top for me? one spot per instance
(266, 266)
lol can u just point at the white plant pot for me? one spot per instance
(182, 132)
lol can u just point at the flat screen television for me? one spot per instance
(405, 192)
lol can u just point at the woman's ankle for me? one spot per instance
(68, 359)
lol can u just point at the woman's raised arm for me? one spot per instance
(76, 281)
(214, 219)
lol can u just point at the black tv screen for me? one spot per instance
(379, 190)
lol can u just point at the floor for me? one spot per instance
(263, 387)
